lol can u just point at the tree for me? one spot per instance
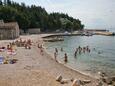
(1, 2)
(68, 26)
(5, 2)
(37, 17)
(8, 2)
(7, 13)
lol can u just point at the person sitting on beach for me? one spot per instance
(38, 46)
(65, 57)
(23, 43)
(41, 46)
(29, 47)
(29, 41)
(8, 47)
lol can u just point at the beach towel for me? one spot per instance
(2, 50)
(1, 59)
(9, 52)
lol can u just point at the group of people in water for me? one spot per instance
(79, 50)
(56, 54)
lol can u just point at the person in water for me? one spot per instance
(61, 49)
(84, 49)
(55, 56)
(56, 50)
(75, 54)
(87, 49)
(65, 57)
(79, 49)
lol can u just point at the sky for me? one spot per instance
(94, 14)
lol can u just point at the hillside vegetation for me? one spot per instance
(37, 17)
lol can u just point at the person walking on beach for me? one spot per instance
(41, 51)
(65, 58)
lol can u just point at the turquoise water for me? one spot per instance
(92, 62)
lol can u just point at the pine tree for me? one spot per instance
(5, 2)
(8, 2)
(1, 2)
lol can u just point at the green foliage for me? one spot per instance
(37, 17)
(1, 2)
(7, 13)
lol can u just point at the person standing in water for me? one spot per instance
(65, 58)
(61, 49)
(87, 48)
(55, 56)
(75, 54)
(84, 49)
(79, 49)
(56, 50)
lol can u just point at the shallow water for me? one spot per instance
(92, 62)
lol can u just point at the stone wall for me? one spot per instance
(34, 30)
(9, 31)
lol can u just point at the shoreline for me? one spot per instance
(30, 61)
(78, 71)
(68, 66)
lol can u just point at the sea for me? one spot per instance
(100, 59)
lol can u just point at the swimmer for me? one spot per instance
(61, 49)
(56, 50)
(65, 57)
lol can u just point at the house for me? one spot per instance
(34, 30)
(9, 30)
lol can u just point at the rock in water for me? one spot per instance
(63, 81)
(86, 81)
(76, 83)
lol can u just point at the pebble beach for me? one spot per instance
(34, 69)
